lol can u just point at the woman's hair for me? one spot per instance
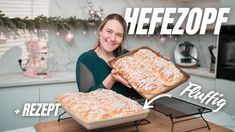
(122, 21)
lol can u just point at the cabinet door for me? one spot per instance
(227, 88)
(207, 85)
(10, 100)
(50, 91)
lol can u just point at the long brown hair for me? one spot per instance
(122, 21)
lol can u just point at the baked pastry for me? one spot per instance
(138, 75)
(167, 72)
(155, 62)
(98, 105)
(170, 75)
(148, 72)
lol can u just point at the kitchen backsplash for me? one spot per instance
(63, 55)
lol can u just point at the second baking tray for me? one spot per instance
(109, 122)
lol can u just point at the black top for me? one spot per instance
(91, 70)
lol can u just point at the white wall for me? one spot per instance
(230, 4)
(227, 88)
(85, 42)
(60, 48)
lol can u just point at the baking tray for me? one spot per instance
(167, 88)
(108, 122)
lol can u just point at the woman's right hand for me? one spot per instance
(119, 78)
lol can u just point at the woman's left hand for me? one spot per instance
(119, 78)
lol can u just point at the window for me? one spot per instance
(21, 8)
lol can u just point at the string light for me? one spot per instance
(162, 39)
(3, 38)
(69, 37)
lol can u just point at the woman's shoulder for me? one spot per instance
(87, 55)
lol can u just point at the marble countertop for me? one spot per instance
(200, 71)
(18, 79)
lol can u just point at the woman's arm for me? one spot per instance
(85, 78)
(115, 76)
(112, 78)
(109, 82)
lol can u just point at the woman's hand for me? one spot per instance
(119, 78)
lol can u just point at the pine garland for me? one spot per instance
(60, 24)
(44, 22)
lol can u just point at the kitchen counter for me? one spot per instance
(200, 71)
(18, 79)
(25, 129)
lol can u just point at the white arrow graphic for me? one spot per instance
(147, 104)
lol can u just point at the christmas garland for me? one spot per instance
(60, 24)
(43, 22)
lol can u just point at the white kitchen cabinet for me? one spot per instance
(207, 84)
(12, 98)
(50, 91)
(16, 90)
(227, 88)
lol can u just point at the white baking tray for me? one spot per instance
(109, 122)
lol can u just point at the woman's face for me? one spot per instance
(111, 36)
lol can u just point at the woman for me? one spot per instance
(93, 71)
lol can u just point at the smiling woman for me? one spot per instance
(93, 71)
